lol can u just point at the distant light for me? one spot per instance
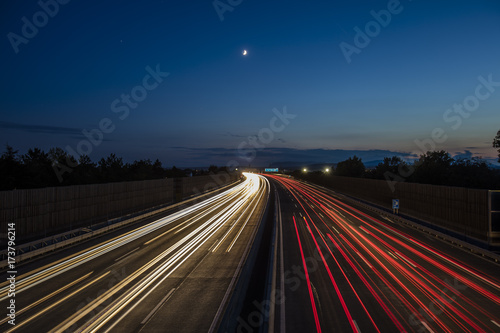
(305, 170)
(327, 170)
(236, 169)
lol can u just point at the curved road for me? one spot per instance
(174, 274)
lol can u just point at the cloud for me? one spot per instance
(41, 128)
(198, 157)
(467, 154)
(234, 135)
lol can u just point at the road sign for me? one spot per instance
(395, 206)
(271, 170)
(395, 203)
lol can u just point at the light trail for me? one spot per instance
(397, 268)
(168, 261)
(208, 220)
(50, 271)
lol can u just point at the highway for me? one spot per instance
(173, 274)
(339, 268)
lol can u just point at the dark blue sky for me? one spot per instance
(392, 91)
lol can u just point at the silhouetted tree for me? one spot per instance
(38, 170)
(433, 167)
(158, 171)
(175, 172)
(390, 166)
(111, 169)
(352, 167)
(10, 169)
(86, 171)
(63, 165)
(496, 144)
(473, 173)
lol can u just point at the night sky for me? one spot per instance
(74, 74)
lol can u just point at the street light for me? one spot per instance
(327, 170)
(305, 170)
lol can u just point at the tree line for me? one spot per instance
(433, 167)
(38, 168)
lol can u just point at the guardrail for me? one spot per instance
(52, 243)
(418, 226)
(234, 307)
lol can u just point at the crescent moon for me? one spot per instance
(244, 52)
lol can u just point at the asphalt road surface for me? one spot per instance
(340, 268)
(174, 274)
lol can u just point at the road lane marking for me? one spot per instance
(282, 275)
(426, 326)
(164, 299)
(360, 227)
(246, 222)
(234, 278)
(311, 296)
(61, 300)
(392, 255)
(402, 257)
(126, 254)
(356, 325)
(388, 219)
(211, 247)
(45, 298)
(275, 266)
(335, 230)
(359, 254)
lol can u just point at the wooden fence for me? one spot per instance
(462, 210)
(41, 212)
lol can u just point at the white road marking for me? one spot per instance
(392, 255)
(157, 307)
(402, 257)
(359, 254)
(360, 227)
(126, 254)
(388, 219)
(356, 325)
(427, 326)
